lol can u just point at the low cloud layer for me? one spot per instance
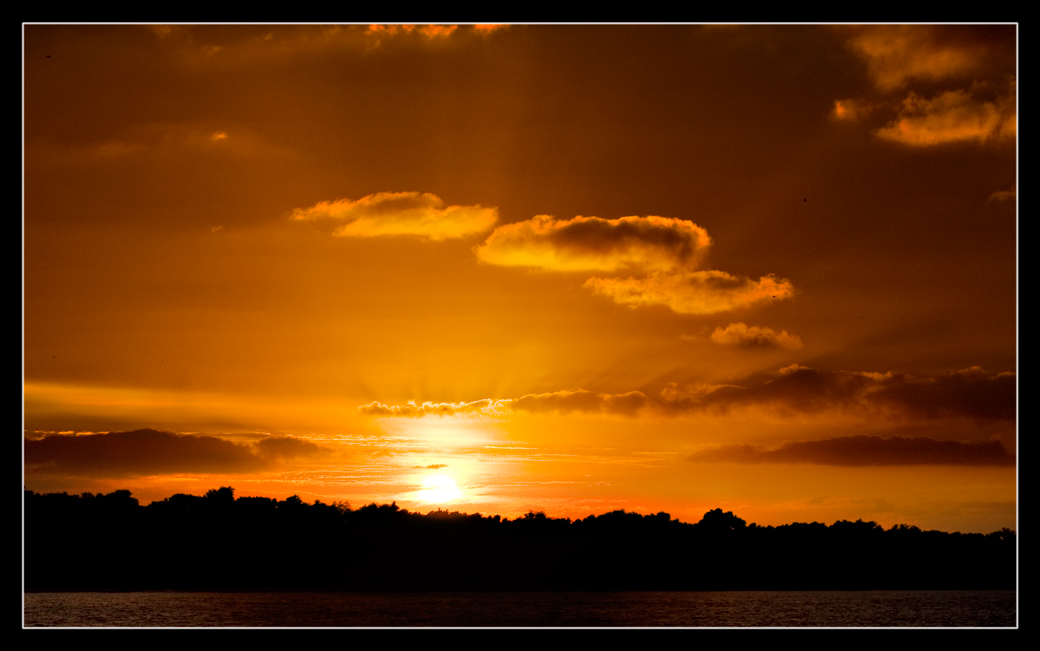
(412, 410)
(971, 393)
(744, 336)
(792, 391)
(153, 452)
(400, 213)
(861, 451)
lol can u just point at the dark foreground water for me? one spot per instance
(939, 608)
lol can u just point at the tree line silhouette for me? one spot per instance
(218, 542)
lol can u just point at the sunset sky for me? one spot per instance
(768, 269)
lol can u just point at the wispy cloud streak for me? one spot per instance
(793, 391)
(864, 451)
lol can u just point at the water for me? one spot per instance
(924, 608)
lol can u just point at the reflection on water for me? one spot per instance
(943, 608)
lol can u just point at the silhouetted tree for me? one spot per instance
(182, 542)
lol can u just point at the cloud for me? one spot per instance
(435, 31)
(952, 116)
(693, 292)
(663, 250)
(898, 54)
(162, 31)
(285, 448)
(859, 451)
(153, 452)
(412, 410)
(486, 29)
(851, 109)
(632, 244)
(792, 391)
(1003, 195)
(625, 404)
(744, 336)
(429, 31)
(400, 213)
(970, 61)
(971, 393)
(156, 144)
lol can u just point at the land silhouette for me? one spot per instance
(218, 542)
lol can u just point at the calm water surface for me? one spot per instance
(940, 608)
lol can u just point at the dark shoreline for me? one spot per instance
(217, 543)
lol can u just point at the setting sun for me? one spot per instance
(438, 489)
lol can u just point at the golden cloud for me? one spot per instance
(952, 116)
(488, 28)
(851, 109)
(692, 292)
(400, 213)
(634, 244)
(412, 410)
(897, 53)
(744, 336)
(956, 55)
(626, 404)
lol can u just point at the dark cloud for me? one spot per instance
(153, 452)
(866, 451)
(794, 390)
(971, 393)
(287, 447)
(594, 244)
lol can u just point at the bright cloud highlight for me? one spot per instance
(400, 213)
(952, 116)
(694, 292)
(744, 336)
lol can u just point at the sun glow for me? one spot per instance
(438, 489)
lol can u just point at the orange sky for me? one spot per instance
(771, 269)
